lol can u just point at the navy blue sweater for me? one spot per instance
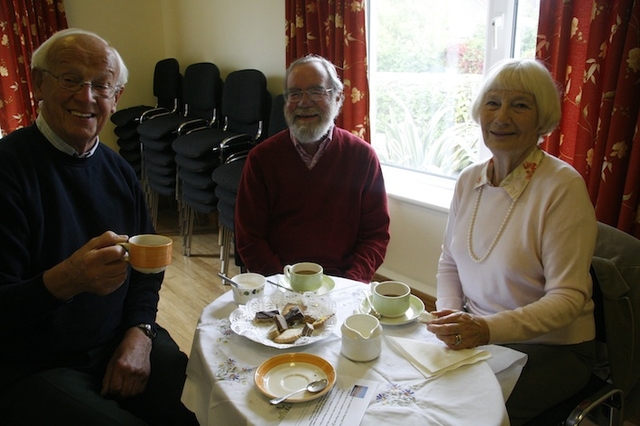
(51, 204)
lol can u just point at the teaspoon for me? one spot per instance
(229, 280)
(372, 310)
(312, 387)
(279, 285)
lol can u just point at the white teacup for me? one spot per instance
(304, 276)
(250, 285)
(391, 298)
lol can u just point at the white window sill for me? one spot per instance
(421, 189)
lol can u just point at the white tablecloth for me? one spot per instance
(220, 388)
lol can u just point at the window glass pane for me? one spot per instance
(426, 61)
(527, 18)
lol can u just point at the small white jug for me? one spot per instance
(361, 337)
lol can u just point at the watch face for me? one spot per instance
(148, 330)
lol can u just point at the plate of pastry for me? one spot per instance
(285, 320)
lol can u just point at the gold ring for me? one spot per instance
(458, 340)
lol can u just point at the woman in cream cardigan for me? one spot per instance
(514, 268)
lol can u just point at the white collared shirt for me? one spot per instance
(59, 143)
(309, 160)
(516, 181)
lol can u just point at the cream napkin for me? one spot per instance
(433, 359)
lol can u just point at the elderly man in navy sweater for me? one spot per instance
(79, 339)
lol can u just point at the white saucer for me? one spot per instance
(416, 307)
(327, 285)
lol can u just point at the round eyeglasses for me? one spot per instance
(315, 94)
(74, 84)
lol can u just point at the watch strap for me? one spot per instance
(148, 329)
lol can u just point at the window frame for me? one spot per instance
(434, 191)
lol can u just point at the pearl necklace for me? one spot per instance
(495, 239)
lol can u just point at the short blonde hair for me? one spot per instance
(529, 76)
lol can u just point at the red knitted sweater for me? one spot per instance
(334, 214)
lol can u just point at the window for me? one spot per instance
(426, 61)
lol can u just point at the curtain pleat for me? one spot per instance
(593, 50)
(25, 25)
(334, 29)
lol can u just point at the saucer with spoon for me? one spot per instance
(295, 377)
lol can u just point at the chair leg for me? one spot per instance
(224, 251)
(241, 265)
(181, 213)
(223, 231)
(180, 205)
(189, 233)
(144, 181)
(184, 227)
(153, 208)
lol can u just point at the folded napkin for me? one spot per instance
(433, 359)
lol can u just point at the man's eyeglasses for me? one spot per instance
(74, 84)
(315, 94)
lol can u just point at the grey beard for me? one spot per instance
(308, 135)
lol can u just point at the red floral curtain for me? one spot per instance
(335, 29)
(24, 25)
(592, 47)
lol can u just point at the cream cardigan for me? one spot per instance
(535, 285)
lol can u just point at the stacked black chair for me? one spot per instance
(277, 122)
(201, 99)
(227, 179)
(245, 112)
(167, 85)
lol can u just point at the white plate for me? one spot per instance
(327, 285)
(317, 306)
(413, 313)
(285, 373)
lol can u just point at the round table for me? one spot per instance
(220, 387)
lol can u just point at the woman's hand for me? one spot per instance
(458, 329)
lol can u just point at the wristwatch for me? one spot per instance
(148, 330)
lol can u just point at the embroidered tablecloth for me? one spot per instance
(221, 391)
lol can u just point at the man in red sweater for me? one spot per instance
(313, 192)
